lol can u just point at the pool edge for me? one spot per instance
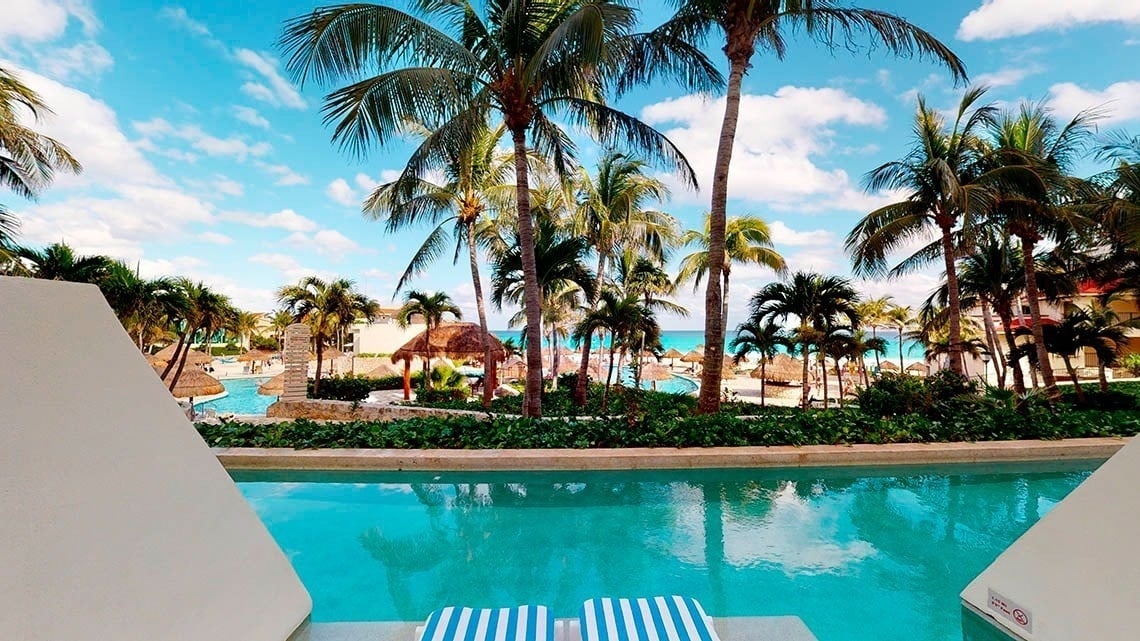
(668, 458)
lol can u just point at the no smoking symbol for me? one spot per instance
(1020, 617)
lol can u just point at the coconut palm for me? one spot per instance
(432, 308)
(59, 261)
(626, 320)
(28, 160)
(902, 319)
(1034, 196)
(873, 314)
(559, 264)
(1103, 331)
(473, 177)
(535, 64)
(818, 303)
(206, 312)
(245, 325)
(280, 320)
(612, 214)
(142, 305)
(742, 27)
(645, 278)
(763, 337)
(747, 240)
(861, 344)
(326, 307)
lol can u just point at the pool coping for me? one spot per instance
(668, 458)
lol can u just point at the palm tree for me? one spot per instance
(1104, 332)
(59, 261)
(142, 305)
(645, 278)
(744, 26)
(763, 337)
(535, 64)
(244, 325)
(207, 311)
(940, 176)
(747, 239)
(432, 308)
(280, 320)
(861, 345)
(612, 215)
(626, 320)
(873, 312)
(1033, 196)
(901, 318)
(815, 300)
(326, 306)
(28, 160)
(474, 176)
(1065, 339)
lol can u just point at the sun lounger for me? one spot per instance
(671, 618)
(524, 623)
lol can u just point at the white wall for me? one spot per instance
(382, 336)
(117, 521)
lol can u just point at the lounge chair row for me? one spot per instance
(672, 618)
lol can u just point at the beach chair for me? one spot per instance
(662, 618)
(524, 623)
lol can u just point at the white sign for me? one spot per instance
(1010, 611)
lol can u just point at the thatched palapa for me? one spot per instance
(782, 369)
(257, 356)
(193, 382)
(384, 370)
(919, 369)
(889, 365)
(274, 386)
(451, 340)
(693, 357)
(166, 353)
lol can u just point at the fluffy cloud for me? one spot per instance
(326, 242)
(779, 136)
(228, 186)
(215, 238)
(1119, 101)
(236, 147)
(286, 219)
(288, 266)
(250, 116)
(244, 297)
(82, 59)
(43, 20)
(342, 193)
(1007, 76)
(784, 235)
(1004, 18)
(284, 174)
(272, 88)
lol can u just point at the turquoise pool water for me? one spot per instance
(242, 398)
(860, 555)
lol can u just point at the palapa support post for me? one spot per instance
(407, 379)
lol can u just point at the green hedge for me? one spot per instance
(357, 388)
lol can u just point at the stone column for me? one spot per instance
(296, 357)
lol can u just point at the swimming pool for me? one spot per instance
(241, 398)
(859, 555)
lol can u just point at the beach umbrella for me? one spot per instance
(274, 386)
(654, 373)
(166, 353)
(782, 369)
(918, 369)
(693, 357)
(672, 354)
(257, 356)
(453, 341)
(384, 370)
(193, 382)
(727, 371)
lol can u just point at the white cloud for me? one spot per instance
(1006, 76)
(779, 137)
(239, 148)
(244, 297)
(215, 238)
(285, 175)
(1004, 18)
(1132, 42)
(784, 235)
(250, 116)
(82, 59)
(326, 242)
(286, 219)
(288, 266)
(1119, 101)
(227, 186)
(342, 193)
(40, 21)
(180, 18)
(279, 92)
(911, 289)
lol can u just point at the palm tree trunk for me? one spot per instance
(992, 342)
(1034, 296)
(609, 375)
(1073, 376)
(763, 381)
(805, 381)
(177, 354)
(709, 400)
(875, 335)
(1101, 378)
(839, 381)
(902, 368)
(555, 359)
(823, 371)
(181, 364)
(584, 368)
(320, 358)
(531, 295)
(954, 302)
(427, 355)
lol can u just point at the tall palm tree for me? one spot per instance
(742, 27)
(326, 306)
(818, 302)
(763, 337)
(207, 311)
(626, 320)
(613, 215)
(280, 320)
(245, 325)
(873, 314)
(902, 319)
(28, 159)
(747, 240)
(559, 264)
(861, 345)
(535, 64)
(940, 176)
(647, 279)
(432, 308)
(142, 305)
(473, 178)
(1034, 197)
(59, 261)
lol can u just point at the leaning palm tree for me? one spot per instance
(432, 308)
(763, 337)
(901, 318)
(326, 306)
(142, 305)
(818, 303)
(747, 240)
(944, 195)
(207, 311)
(28, 159)
(742, 27)
(473, 178)
(535, 64)
(624, 318)
(1033, 194)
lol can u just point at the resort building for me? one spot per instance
(383, 335)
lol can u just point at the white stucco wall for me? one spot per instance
(116, 520)
(1074, 575)
(382, 336)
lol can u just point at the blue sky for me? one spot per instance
(202, 159)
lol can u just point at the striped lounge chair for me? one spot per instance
(672, 618)
(524, 623)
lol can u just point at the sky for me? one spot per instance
(202, 159)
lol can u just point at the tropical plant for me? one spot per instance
(59, 261)
(759, 337)
(818, 302)
(431, 308)
(280, 320)
(244, 326)
(145, 307)
(873, 315)
(206, 312)
(944, 193)
(901, 318)
(1103, 331)
(627, 322)
(742, 27)
(535, 64)
(28, 159)
(645, 278)
(326, 307)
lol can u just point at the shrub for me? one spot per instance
(1131, 363)
(264, 342)
(357, 388)
(894, 394)
(1095, 399)
(568, 380)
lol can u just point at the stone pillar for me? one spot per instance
(296, 357)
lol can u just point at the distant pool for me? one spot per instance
(870, 554)
(242, 398)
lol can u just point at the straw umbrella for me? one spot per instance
(193, 358)
(693, 358)
(782, 369)
(654, 373)
(672, 355)
(727, 371)
(193, 382)
(384, 370)
(274, 386)
(257, 356)
(455, 341)
(918, 369)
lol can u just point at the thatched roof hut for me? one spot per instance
(918, 369)
(192, 382)
(782, 369)
(889, 365)
(274, 386)
(693, 357)
(458, 341)
(513, 368)
(384, 370)
(257, 356)
(164, 355)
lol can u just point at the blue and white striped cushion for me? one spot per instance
(524, 623)
(671, 618)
